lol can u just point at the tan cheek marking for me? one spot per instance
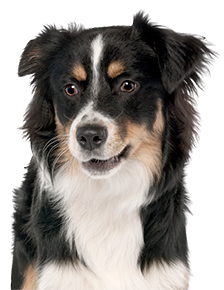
(115, 69)
(150, 152)
(158, 126)
(147, 148)
(63, 154)
(79, 72)
(63, 135)
(30, 279)
(61, 130)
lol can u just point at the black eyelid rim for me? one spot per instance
(71, 84)
(130, 82)
(116, 86)
(128, 79)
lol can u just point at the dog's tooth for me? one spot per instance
(116, 159)
(112, 159)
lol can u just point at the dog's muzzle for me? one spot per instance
(92, 140)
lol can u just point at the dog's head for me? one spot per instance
(108, 96)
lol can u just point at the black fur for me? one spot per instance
(170, 66)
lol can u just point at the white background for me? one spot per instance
(23, 20)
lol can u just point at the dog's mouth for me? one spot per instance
(101, 167)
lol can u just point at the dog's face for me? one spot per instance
(108, 103)
(110, 96)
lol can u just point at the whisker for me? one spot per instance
(53, 144)
(53, 140)
(52, 149)
(57, 159)
(67, 117)
(119, 114)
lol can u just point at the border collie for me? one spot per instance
(112, 123)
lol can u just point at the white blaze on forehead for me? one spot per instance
(97, 49)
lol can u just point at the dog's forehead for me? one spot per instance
(101, 51)
(95, 47)
(104, 60)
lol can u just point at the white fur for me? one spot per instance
(69, 277)
(96, 49)
(90, 116)
(168, 277)
(113, 146)
(102, 217)
(91, 205)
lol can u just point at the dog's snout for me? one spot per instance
(91, 137)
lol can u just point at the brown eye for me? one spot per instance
(128, 86)
(71, 90)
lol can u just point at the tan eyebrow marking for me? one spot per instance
(79, 72)
(115, 68)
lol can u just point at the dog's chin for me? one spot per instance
(99, 169)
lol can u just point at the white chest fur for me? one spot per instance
(102, 217)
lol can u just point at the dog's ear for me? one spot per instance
(184, 61)
(38, 50)
(181, 56)
(35, 61)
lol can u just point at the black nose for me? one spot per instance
(91, 137)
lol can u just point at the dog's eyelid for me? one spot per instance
(71, 90)
(128, 86)
(124, 85)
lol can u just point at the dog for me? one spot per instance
(111, 123)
